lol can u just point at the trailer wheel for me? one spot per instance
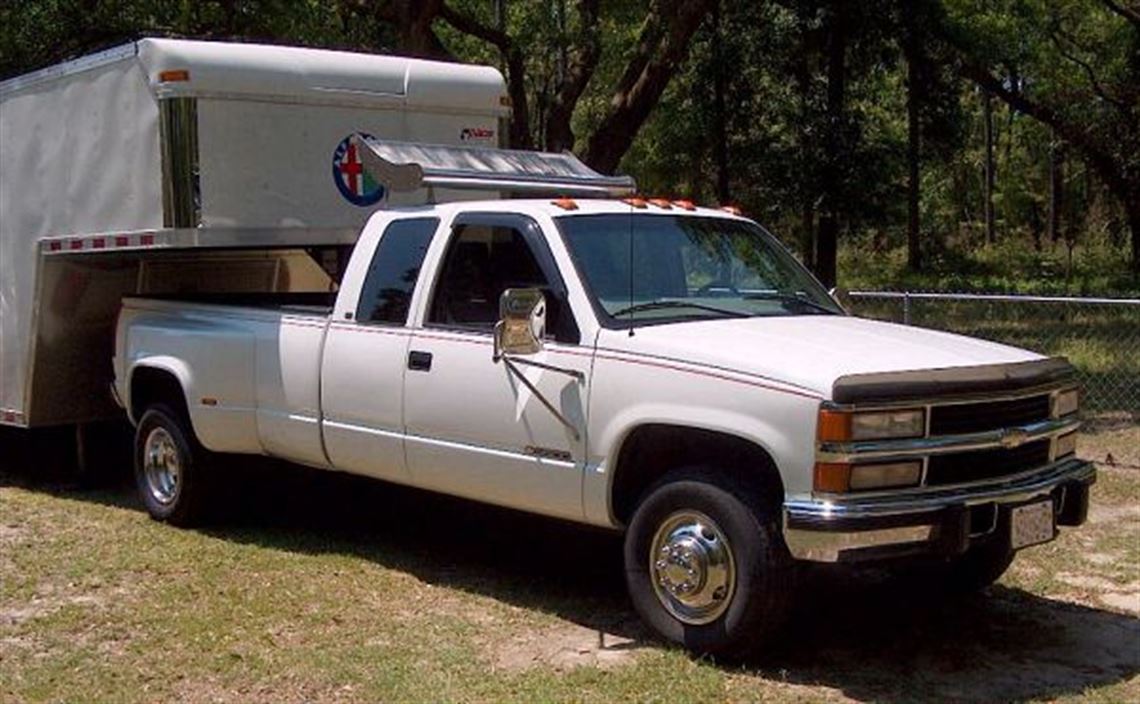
(705, 563)
(102, 453)
(169, 469)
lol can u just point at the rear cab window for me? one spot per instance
(387, 293)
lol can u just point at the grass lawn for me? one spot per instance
(328, 588)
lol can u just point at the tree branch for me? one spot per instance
(1130, 14)
(1057, 35)
(663, 44)
(1100, 159)
(520, 136)
(472, 26)
(580, 69)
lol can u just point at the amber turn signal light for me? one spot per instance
(832, 477)
(834, 426)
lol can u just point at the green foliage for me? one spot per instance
(1095, 267)
(756, 81)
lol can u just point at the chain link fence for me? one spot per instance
(1100, 336)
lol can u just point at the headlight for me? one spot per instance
(838, 478)
(1066, 402)
(841, 426)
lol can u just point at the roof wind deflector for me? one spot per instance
(407, 166)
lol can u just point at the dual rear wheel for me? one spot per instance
(169, 472)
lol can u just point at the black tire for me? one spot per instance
(981, 565)
(187, 502)
(969, 573)
(759, 604)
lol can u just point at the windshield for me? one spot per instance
(663, 268)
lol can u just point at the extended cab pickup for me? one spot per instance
(664, 370)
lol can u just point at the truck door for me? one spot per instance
(472, 428)
(362, 374)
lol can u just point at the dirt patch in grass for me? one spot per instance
(561, 647)
(1113, 442)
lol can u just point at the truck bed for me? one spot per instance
(303, 303)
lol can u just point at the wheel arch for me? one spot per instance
(157, 379)
(649, 450)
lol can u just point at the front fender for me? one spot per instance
(785, 433)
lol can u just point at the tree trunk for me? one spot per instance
(519, 129)
(1132, 209)
(579, 66)
(661, 47)
(827, 241)
(807, 232)
(720, 129)
(1123, 183)
(806, 187)
(1056, 188)
(988, 131)
(413, 20)
(913, 137)
(1036, 227)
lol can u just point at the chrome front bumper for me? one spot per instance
(936, 521)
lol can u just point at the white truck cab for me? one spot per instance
(648, 366)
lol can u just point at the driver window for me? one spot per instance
(481, 262)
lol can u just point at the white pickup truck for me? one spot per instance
(651, 367)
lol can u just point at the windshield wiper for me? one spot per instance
(788, 298)
(657, 305)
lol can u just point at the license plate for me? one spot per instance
(1031, 524)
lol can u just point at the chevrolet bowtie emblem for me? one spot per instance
(1013, 437)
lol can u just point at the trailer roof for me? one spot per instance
(181, 67)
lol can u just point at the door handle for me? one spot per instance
(419, 361)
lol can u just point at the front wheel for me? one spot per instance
(169, 471)
(706, 565)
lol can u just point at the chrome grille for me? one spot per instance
(981, 416)
(980, 465)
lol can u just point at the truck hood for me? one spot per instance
(811, 352)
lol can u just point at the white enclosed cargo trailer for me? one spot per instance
(169, 166)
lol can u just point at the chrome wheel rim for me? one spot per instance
(161, 465)
(692, 567)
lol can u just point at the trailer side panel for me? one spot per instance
(80, 153)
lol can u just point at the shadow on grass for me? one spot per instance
(853, 630)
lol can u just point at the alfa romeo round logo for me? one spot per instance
(354, 183)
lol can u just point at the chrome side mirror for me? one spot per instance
(522, 322)
(842, 298)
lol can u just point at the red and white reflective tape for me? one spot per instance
(9, 416)
(102, 242)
